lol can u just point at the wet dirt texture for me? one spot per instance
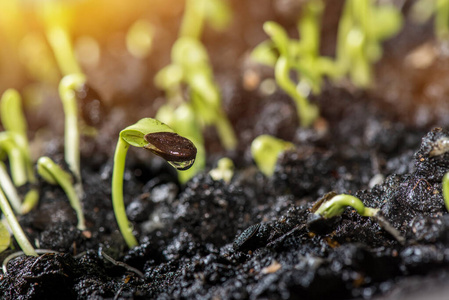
(257, 237)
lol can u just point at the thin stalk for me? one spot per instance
(9, 189)
(17, 230)
(117, 193)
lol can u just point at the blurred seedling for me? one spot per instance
(161, 140)
(265, 150)
(14, 142)
(196, 12)
(362, 28)
(16, 229)
(423, 10)
(224, 170)
(54, 174)
(139, 38)
(300, 58)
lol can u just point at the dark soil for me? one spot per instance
(257, 237)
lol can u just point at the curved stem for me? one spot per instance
(17, 231)
(10, 190)
(117, 193)
(336, 206)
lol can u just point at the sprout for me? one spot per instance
(10, 190)
(5, 237)
(265, 150)
(67, 91)
(160, 139)
(15, 226)
(337, 205)
(300, 56)
(445, 185)
(362, 28)
(54, 174)
(224, 170)
(59, 40)
(217, 13)
(14, 122)
(9, 144)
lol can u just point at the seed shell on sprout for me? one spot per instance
(177, 150)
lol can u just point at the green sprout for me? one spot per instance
(362, 27)
(14, 122)
(16, 229)
(224, 170)
(54, 174)
(217, 13)
(67, 91)
(445, 184)
(337, 205)
(301, 57)
(423, 10)
(9, 145)
(265, 150)
(5, 237)
(10, 190)
(161, 140)
(60, 42)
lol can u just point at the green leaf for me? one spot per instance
(134, 134)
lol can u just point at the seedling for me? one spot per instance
(224, 170)
(217, 13)
(15, 124)
(16, 229)
(160, 139)
(301, 57)
(9, 144)
(265, 150)
(423, 10)
(10, 190)
(362, 28)
(337, 205)
(54, 174)
(445, 185)
(60, 42)
(67, 91)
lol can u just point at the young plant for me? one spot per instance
(54, 174)
(362, 28)
(445, 185)
(14, 122)
(301, 57)
(337, 205)
(16, 229)
(422, 10)
(265, 150)
(10, 190)
(59, 40)
(224, 170)
(160, 139)
(217, 12)
(67, 91)
(9, 145)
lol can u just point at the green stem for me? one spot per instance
(446, 190)
(117, 193)
(61, 45)
(10, 190)
(336, 206)
(193, 20)
(17, 231)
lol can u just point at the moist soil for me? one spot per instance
(257, 237)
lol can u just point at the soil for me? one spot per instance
(257, 237)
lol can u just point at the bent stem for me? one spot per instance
(16, 229)
(337, 205)
(54, 174)
(10, 190)
(117, 193)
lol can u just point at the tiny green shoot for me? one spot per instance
(337, 205)
(67, 91)
(54, 174)
(224, 170)
(9, 144)
(60, 42)
(13, 121)
(265, 150)
(16, 229)
(10, 190)
(445, 185)
(5, 237)
(160, 139)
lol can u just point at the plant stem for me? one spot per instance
(117, 193)
(446, 190)
(17, 231)
(10, 190)
(193, 20)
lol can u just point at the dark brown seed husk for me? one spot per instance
(171, 146)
